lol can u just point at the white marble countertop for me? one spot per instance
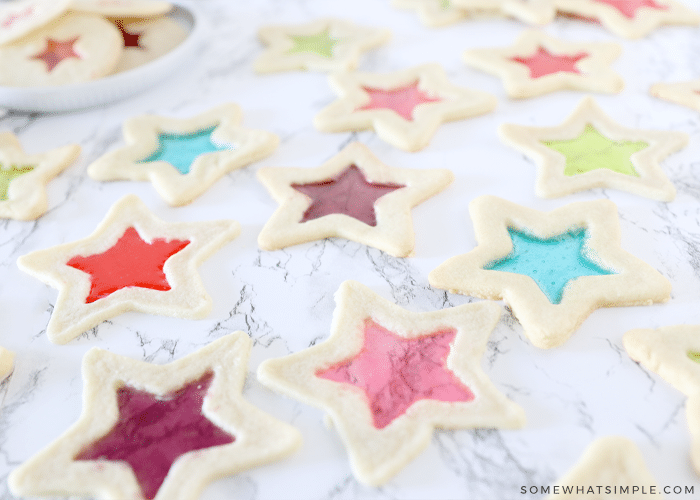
(587, 388)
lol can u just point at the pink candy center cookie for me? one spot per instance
(130, 262)
(628, 8)
(348, 193)
(402, 100)
(544, 62)
(13, 17)
(154, 431)
(395, 372)
(56, 51)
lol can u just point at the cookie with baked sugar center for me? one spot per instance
(71, 49)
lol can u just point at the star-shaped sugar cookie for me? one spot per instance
(434, 13)
(552, 268)
(387, 377)
(405, 108)
(531, 11)
(184, 157)
(23, 177)
(7, 361)
(538, 64)
(590, 150)
(632, 18)
(133, 261)
(683, 93)
(158, 432)
(673, 352)
(613, 463)
(321, 45)
(354, 196)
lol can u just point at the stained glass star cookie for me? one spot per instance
(321, 45)
(7, 361)
(133, 261)
(673, 352)
(434, 13)
(538, 64)
(184, 157)
(632, 18)
(387, 377)
(590, 150)
(683, 93)
(531, 11)
(612, 468)
(552, 268)
(23, 177)
(353, 195)
(158, 431)
(405, 108)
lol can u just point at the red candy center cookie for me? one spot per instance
(348, 193)
(402, 100)
(130, 262)
(628, 8)
(131, 39)
(56, 51)
(544, 62)
(154, 431)
(395, 372)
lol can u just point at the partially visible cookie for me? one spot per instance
(632, 18)
(434, 13)
(20, 17)
(122, 8)
(552, 268)
(353, 195)
(531, 11)
(538, 64)
(23, 177)
(184, 157)
(73, 48)
(388, 377)
(133, 261)
(321, 45)
(683, 93)
(611, 468)
(160, 432)
(7, 361)
(405, 107)
(146, 40)
(590, 150)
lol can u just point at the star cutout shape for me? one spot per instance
(372, 206)
(434, 13)
(632, 18)
(590, 150)
(326, 376)
(673, 352)
(431, 99)
(158, 398)
(131, 39)
(683, 93)
(159, 149)
(23, 177)
(547, 324)
(590, 62)
(84, 302)
(56, 51)
(7, 360)
(612, 461)
(321, 45)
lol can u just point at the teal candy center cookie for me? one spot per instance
(551, 262)
(181, 150)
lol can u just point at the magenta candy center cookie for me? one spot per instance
(56, 51)
(154, 431)
(402, 100)
(628, 8)
(130, 262)
(395, 372)
(544, 62)
(348, 193)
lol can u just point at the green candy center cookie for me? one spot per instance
(694, 355)
(320, 43)
(592, 151)
(8, 175)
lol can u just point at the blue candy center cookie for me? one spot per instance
(180, 150)
(551, 262)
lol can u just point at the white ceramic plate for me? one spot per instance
(114, 87)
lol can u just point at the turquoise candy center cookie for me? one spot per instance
(592, 151)
(180, 150)
(7, 175)
(551, 262)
